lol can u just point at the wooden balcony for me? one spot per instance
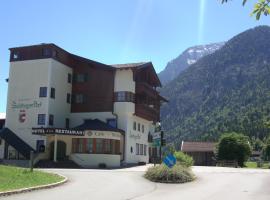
(144, 88)
(147, 112)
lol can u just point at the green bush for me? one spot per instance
(266, 150)
(233, 146)
(163, 174)
(183, 158)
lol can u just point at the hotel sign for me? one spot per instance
(34, 104)
(56, 131)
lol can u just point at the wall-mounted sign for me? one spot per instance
(34, 104)
(156, 135)
(56, 131)
(22, 116)
(99, 134)
(135, 136)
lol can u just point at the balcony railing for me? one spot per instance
(142, 87)
(147, 112)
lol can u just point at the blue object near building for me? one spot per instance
(169, 160)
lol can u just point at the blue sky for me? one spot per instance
(119, 31)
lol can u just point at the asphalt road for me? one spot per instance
(212, 183)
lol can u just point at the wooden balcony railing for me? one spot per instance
(146, 112)
(142, 87)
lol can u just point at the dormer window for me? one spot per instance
(46, 52)
(15, 56)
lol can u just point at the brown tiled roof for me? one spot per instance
(197, 146)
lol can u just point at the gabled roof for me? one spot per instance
(72, 60)
(97, 125)
(198, 146)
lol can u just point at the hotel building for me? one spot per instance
(63, 106)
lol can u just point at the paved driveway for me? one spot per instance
(213, 183)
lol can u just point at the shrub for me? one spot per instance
(163, 174)
(183, 158)
(266, 150)
(233, 146)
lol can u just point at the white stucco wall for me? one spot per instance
(124, 80)
(59, 80)
(93, 160)
(125, 112)
(135, 136)
(25, 80)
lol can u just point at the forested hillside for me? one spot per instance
(228, 90)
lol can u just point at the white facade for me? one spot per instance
(24, 105)
(23, 96)
(125, 112)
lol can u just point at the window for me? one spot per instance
(67, 122)
(107, 146)
(141, 149)
(80, 78)
(15, 56)
(90, 146)
(46, 52)
(131, 149)
(123, 96)
(112, 122)
(41, 119)
(40, 147)
(104, 146)
(130, 97)
(80, 146)
(99, 145)
(134, 126)
(139, 127)
(69, 78)
(142, 128)
(120, 96)
(116, 147)
(51, 119)
(144, 149)
(53, 93)
(79, 98)
(68, 98)
(137, 149)
(43, 92)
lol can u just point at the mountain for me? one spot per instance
(228, 90)
(188, 57)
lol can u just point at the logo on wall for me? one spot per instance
(22, 116)
(89, 133)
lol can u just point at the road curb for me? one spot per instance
(30, 189)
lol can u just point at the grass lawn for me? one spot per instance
(15, 178)
(254, 165)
